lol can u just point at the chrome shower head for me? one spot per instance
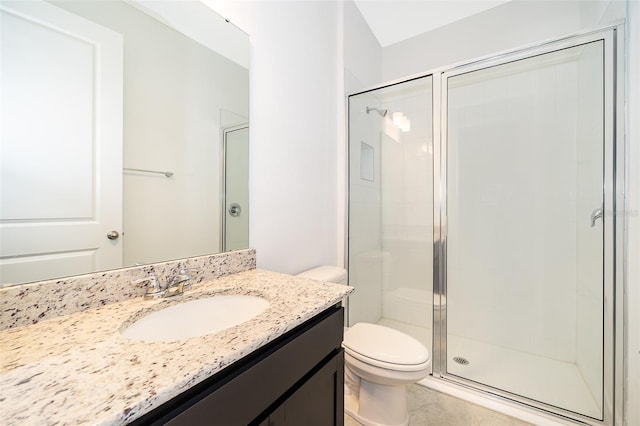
(382, 112)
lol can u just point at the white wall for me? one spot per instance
(362, 52)
(304, 57)
(507, 26)
(295, 72)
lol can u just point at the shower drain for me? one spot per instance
(460, 360)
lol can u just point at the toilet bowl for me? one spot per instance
(379, 363)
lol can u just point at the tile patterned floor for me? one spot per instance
(428, 407)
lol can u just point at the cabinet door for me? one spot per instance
(318, 402)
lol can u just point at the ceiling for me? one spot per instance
(395, 20)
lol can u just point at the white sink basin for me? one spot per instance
(195, 318)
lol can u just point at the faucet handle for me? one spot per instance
(186, 274)
(188, 271)
(154, 289)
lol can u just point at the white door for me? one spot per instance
(60, 144)
(236, 178)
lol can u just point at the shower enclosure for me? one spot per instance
(482, 221)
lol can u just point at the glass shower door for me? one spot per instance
(391, 207)
(526, 168)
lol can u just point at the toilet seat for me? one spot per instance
(385, 347)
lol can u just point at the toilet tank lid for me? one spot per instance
(327, 273)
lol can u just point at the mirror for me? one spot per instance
(115, 116)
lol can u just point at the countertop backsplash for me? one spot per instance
(34, 302)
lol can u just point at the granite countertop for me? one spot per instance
(78, 368)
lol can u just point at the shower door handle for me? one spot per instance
(595, 215)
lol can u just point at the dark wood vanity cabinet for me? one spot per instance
(314, 403)
(295, 380)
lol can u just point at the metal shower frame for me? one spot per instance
(614, 190)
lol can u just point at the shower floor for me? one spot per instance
(553, 382)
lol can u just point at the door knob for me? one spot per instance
(235, 209)
(113, 235)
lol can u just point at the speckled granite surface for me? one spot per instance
(30, 303)
(78, 369)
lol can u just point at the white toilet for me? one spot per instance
(379, 363)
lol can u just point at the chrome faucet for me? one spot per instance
(175, 285)
(154, 289)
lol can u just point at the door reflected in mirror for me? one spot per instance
(236, 188)
(114, 124)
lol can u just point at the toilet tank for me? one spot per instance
(328, 273)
